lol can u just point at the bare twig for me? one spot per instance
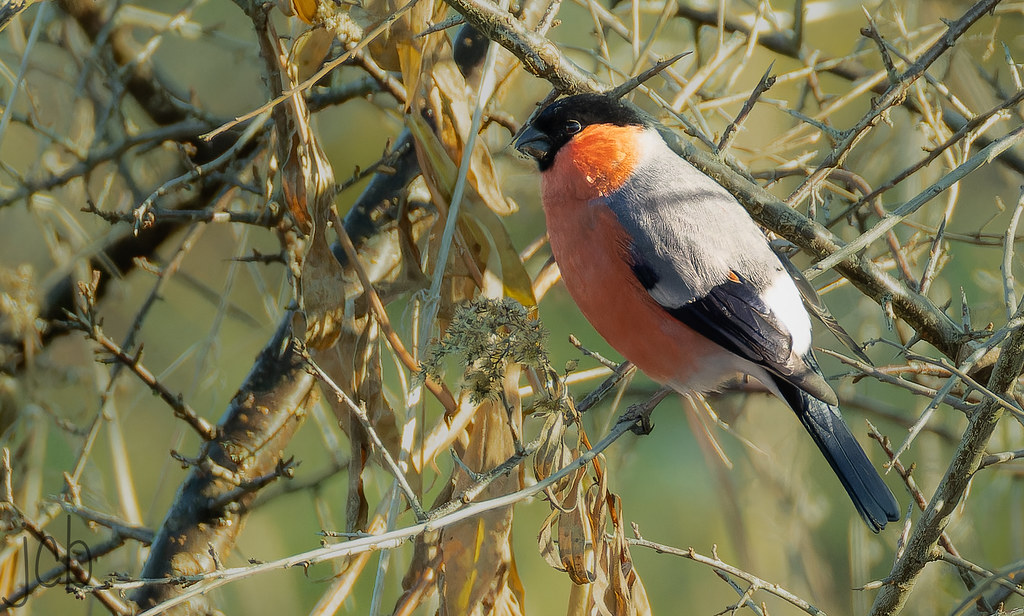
(73, 563)
(360, 413)
(915, 388)
(845, 68)
(1006, 404)
(871, 31)
(120, 527)
(966, 461)
(1009, 293)
(766, 82)
(142, 214)
(894, 95)
(633, 82)
(718, 565)
(919, 498)
(984, 156)
(181, 409)
(263, 218)
(990, 576)
(205, 582)
(180, 131)
(538, 55)
(966, 129)
(1001, 458)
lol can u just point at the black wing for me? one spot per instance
(734, 316)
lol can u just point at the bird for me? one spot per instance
(675, 275)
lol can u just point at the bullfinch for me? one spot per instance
(675, 275)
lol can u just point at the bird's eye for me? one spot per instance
(572, 127)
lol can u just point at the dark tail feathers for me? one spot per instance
(873, 499)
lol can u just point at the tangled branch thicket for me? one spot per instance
(224, 221)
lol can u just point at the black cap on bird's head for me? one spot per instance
(556, 124)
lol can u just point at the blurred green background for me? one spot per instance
(777, 512)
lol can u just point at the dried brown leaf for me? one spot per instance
(552, 454)
(354, 364)
(9, 578)
(321, 290)
(309, 51)
(516, 282)
(296, 173)
(303, 9)
(617, 588)
(441, 172)
(339, 363)
(605, 581)
(576, 543)
(413, 56)
(357, 509)
(476, 554)
(458, 104)
(546, 542)
(307, 181)
(369, 391)
(505, 601)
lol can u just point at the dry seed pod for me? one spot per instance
(309, 51)
(576, 544)
(546, 542)
(568, 487)
(552, 454)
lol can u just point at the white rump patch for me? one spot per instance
(784, 300)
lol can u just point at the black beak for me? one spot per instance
(533, 143)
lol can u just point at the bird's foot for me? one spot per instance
(642, 424)
(640, 414)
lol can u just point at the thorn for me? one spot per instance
(473, 475)
(442, 25)
(633, 82)
(965, 312)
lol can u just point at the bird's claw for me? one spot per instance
(642, 424)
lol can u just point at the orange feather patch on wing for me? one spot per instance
(604, 155)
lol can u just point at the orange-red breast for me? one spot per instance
(673, 273)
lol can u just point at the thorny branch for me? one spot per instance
(203, 522)
(965, 463)
(755, 582)
(894, 95)
(233, 488)
(360, 413)
(203, 583)
(134, 363)
(919, 498)
(850, 70)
